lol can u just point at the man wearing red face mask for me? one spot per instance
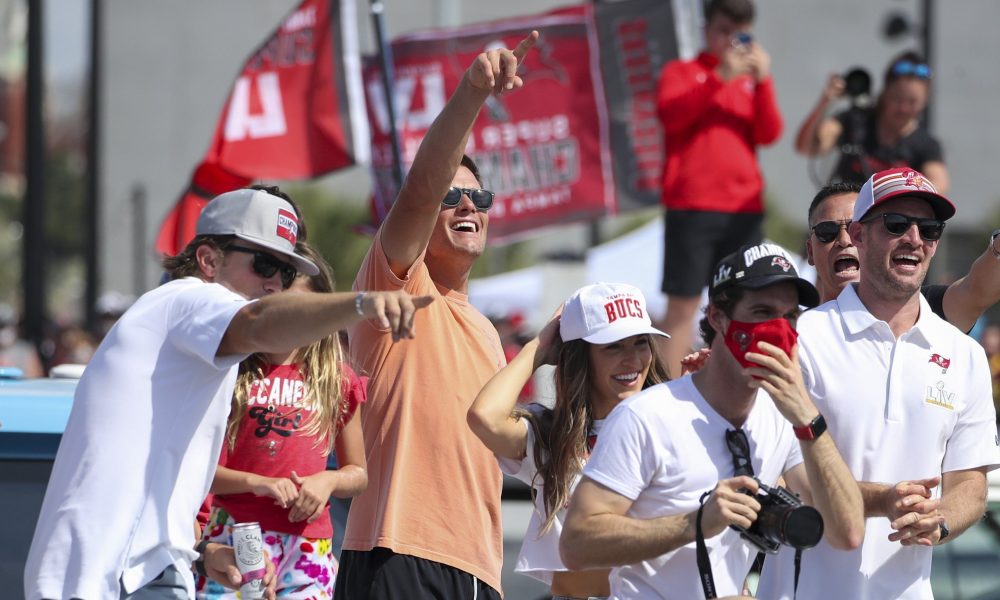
(908, 398)
(742, 420)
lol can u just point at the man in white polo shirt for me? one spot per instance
(149, 415)
(907, 398)
(745, 413)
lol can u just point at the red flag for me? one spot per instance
(209, 180)
(543, 149)
(295, 111)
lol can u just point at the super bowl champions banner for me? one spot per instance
(543, 148)
(579, 141)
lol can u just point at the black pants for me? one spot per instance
(381, 574)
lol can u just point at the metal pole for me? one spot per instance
(927, 41)
(388, 76)
(33, 249)
(140, 252)
(93, 202)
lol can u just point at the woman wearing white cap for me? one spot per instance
(603, 350)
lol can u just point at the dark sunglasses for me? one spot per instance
(906, 67)
(266, 265)
(739, 447)
(897, 224)
(483, 199)
(827, 231)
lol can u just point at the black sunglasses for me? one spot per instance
(897, 224)
(483, 199)
(827, 231)
(267, 265)
(739, 447)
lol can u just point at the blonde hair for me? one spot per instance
(320, 365)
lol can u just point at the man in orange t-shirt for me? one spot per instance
(428, 525)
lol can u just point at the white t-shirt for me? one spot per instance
(663, 448)
(140, 448)
(539, 556)
(898, 409)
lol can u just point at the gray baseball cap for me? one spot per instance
(258, 217)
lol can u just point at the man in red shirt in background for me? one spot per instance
(715, 109)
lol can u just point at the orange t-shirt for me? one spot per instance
(433, 487)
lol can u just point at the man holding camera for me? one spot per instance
(742, 419)
(908, 399)
(715, 110)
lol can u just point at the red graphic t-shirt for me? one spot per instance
(271, 441)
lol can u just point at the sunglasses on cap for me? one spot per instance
(483, 199)
(827, 231)
(267, 265)
(906, 67)
(897, 224)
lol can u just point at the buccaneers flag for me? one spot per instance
(295, 111)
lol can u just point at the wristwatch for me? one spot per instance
(945, 532)
(993, 243)
(813, 430)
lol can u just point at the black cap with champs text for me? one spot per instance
(757, 266)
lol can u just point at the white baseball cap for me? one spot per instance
(258, 217)
(901, 182)
(603, 313)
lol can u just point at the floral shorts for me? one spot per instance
(305, 567)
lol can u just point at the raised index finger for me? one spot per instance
(526, 44)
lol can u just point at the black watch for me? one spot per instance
(945, 532)
(813, 430)
(199, 563)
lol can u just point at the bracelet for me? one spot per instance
(993, 243)
(358, 300)
(199, 563)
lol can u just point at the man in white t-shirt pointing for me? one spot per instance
(745, 413)
(907, 397)
(149, 415)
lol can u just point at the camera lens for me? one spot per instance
(802, 527)
(857, 82)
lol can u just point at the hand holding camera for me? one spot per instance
(731, 503)
(783, 520)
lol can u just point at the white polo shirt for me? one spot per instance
(140, 448)
(898, 409)
(663, 448)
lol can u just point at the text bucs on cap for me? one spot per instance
(894, 183)
(757, 266)
(258, 217)
(603, 313)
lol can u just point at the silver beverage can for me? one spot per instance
(249, 547)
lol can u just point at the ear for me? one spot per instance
(209, 261)
(809, 251)
(718, 320)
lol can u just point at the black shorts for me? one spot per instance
(695, 241)
(381, 574)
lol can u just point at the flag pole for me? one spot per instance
(388, 76)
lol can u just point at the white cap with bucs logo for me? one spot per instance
(258, 217)
(603, 313)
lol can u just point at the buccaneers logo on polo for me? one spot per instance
(940, 361)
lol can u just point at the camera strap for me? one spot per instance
(701, 552)
(798, 569)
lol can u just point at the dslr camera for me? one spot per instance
(782, 520)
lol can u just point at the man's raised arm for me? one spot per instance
(410, 221)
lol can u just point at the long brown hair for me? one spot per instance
(561, 432)
(320, 366)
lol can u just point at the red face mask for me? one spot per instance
(743, 337)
